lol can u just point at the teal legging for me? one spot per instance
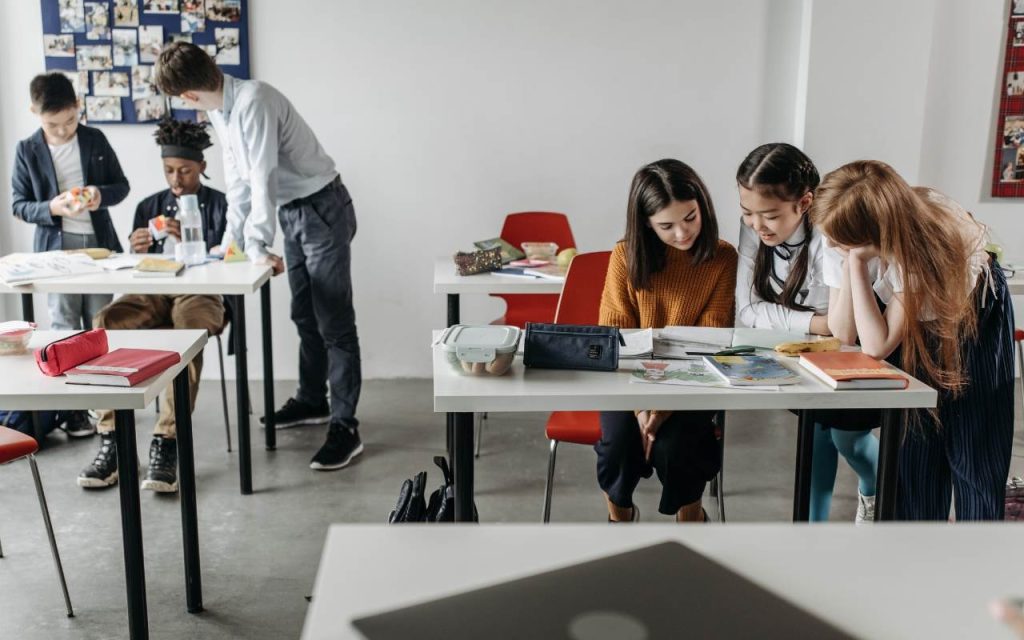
(859, 448)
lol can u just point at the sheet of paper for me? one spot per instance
(639, 343)
(766, 338)
(22, 268)
(115, 263)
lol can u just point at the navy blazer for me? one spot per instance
(35, 185)
(213, 208)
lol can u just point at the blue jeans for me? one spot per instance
(73, 310)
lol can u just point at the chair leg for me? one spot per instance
(480, 417)
(224, 392)
(1, 551)
(720, 478)
(550, 484)
(49, 533)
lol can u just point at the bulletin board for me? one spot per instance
(107, 49)
(1008, 168)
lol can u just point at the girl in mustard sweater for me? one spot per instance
(671, 269)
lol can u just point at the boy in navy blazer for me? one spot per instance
(65, 176)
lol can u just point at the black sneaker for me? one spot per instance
(162, 474)
(343, 444)
(78, 425)
(102, 473)
(297, 414)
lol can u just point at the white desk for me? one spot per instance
(888, 581)
(235, 280)
(547, 390)
(26, 388)
(448, 281)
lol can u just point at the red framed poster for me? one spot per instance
(1008, 168)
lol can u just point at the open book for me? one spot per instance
(23, 268)
(691, 342)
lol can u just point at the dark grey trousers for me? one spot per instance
(318, 231)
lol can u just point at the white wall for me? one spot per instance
(443, 117)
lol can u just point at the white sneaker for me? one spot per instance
(865, 509)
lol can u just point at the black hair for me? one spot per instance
(182, 139)
(781, 171)
(52, 92)
(655, 187)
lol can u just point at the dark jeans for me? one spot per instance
(318, 231)
(685, 455)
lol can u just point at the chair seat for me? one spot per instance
(579, 427)
(15, 444)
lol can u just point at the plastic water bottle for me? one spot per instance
(192, 248)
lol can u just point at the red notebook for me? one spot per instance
(123, 367)
(852, 370)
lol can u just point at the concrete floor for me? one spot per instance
(260, 552)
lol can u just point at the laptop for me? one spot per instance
(667, 590)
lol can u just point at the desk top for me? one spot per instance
(446, 280)
(550, 390)
(213, 278)
(26, 388)
(884, 581)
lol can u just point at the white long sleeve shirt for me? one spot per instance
(271, 157)
(753, 311)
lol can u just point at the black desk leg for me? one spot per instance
(888, 464)
(187, 486)
(242, 398)
(268, 369)
(463, 466)
(131, 523)
(802, 481)
(453, 319)
(28, 314)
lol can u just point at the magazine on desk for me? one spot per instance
(687, 373)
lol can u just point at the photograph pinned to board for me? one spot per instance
(1018, 33)
(228, 51)
(59, 46)
(126, 47)
(142, 82)
(151, 41)
(72, 16)
(224, 10)
(94, 57)
(126, 13)
(160, 6)
(149, 109)
(97, 21)
(110, 83)
(180, 37)
(79, 80)
(103, 109)
(193, 16)
(210, 49)
(1018, 7)
(1015, 83)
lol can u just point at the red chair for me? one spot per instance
(533, 226)
(15, 445)
(580, 303)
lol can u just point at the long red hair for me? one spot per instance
(918, 231)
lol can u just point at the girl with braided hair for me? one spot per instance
(780, 285)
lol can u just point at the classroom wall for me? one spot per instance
(444, 117)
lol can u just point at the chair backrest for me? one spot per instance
(537, 226)
(580, 302)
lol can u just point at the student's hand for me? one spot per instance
(140, 240)
(276, 263)
(174, 228)
(819, 325)
(62, 206)
(94, 198)
(1010, 613)
(650, 422)
(217, 250)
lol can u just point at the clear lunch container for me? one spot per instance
(15, 336)
(480, 350)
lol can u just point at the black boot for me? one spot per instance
(102, 473)
(162, 474)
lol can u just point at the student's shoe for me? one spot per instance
(78, 425)
(297, 414)
(865, 509)
(162, 474)
(634, 518)
(343, 444)
(102, 473)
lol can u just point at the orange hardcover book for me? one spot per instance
(852, 370)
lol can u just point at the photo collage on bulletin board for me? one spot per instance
(1008, 169)
(107, 49)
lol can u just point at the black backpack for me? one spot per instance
(412, 507)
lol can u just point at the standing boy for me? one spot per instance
(60, 157)
(273, 161)
(181, 148)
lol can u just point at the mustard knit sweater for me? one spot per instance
(681, 294)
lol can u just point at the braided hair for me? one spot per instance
(781, 171)
(182, 138)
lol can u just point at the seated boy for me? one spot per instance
(60, 157)
(181, 146)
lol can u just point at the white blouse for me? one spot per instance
(754, 311)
